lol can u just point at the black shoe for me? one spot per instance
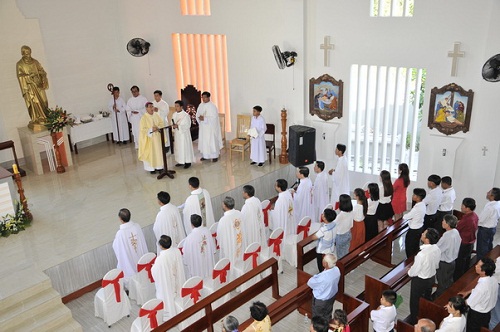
(167, 149)
(187, 165)
(215, 160)
(260, 164)
(253, 163)
(152, 172)
(118, 142)
(203, 159)
(179, 165)
(159, 171)
(124, 142)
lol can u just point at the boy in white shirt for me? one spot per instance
(447, 201)
(384, 316)
(432, 200)
(415, 222)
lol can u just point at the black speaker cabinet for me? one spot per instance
(301, 145)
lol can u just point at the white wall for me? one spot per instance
(82, 47)
(423, 42)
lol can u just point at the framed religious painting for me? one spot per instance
(325, 97)
(450, 109)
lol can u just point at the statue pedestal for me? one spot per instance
(32, 147)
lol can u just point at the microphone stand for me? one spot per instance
(166, 171)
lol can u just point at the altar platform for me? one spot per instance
(75, 213)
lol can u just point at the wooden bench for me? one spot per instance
(212, 316)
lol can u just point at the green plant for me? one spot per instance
(57, 119)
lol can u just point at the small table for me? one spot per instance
(85, 131)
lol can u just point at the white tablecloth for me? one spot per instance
(85, 131)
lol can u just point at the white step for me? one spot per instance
(30, 306)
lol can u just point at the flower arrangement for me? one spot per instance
(13, 224)
(57, 119)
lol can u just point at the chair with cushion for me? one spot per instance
(111, 302)
(266, 206)
(303, 231)
(191, 293)
(271, 143)
(141, 285)
(242, 142)
(213, 231)
(221, 275)
(150, 316)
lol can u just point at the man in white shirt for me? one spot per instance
(210, 138)
(129, 245)
(258, 150)
(118, 115)
(168, 274)
(200, 203)
(425, 325)
(432, 200)
(423, 271)
(184, 153)
(230, 234)
(340, 176)
(449, 244)
(136, 108)
(447, 201)
(415, 222)
(199, 250)
(283, 212)
(253, 218)
(321, 193)
(168, 220)
(483, 297)
(326, 236)
(161, 107)
(487, 225)
(303, 196)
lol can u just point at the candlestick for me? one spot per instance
(15, 169)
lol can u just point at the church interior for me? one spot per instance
(82, 47)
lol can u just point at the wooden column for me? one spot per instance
(284, 154)
(20, 190)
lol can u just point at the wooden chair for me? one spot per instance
(222, 123)
(242, 142)
(271, 144)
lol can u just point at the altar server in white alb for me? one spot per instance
(321, 194)
(283, 212)
(118, 115)
(199, 250)
(168, 220)
(150, 149)
(129, 245)
(340, 175)
(136, 108)
(303, 196)
(254, 228)
(210, 138)
(168, 274)
(200, 203)
(184, 154)
(230, 233)
(258, 143)
(161, 107)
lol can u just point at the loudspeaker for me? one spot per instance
(301, 145)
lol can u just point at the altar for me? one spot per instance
(85, 131)
(7, 192)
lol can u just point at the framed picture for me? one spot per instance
(450, 109)
(325, 97)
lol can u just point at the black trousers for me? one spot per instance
(319, 260)
(323, 308)
(371, 227)
(429, 220)
(419, 288)
(444, 276)
(463, 260)
(476, 320)
(412, 242)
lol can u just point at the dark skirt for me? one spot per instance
(371, 227)
(384, 211)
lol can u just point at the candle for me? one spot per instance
(14, 168)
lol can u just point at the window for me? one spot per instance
(391, 8)
(201, 60)
(385, 118)
(195, 7)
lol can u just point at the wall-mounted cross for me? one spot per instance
(455, 55)
(485, 149)
(326, 46)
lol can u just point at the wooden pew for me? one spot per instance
(378, 249)
(212, 316)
